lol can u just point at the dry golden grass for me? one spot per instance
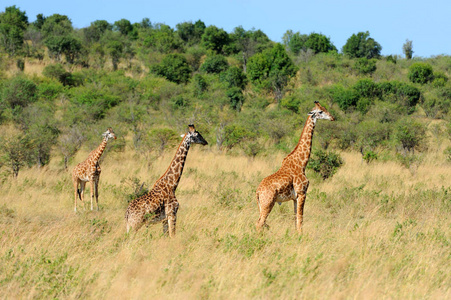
(373, 231)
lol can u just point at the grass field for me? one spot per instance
(373, 231)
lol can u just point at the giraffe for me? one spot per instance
(160, 204)
(89, 170)
(289, 182)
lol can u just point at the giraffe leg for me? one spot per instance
(81, 192)
(97, 192)
(165, 227)
(300, 212)
(75, 182)
(92, 191)
(171, 213)
(295, 205)
(301, 192)
(265, 204)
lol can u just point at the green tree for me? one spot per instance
(123, 26)
(163, 39)
(410, 133)
(319, 43)
(200, 85)
(407, 48)
(215, 39)
(13, 23)
(420, 73)
(361, 45)
(234, 77)
(344, 97)
(17, 93)
(40, 20)
(42, 129)
(115, 49)
(236, 98)
(294, 41)
(174, 67)
(15, 150)
(365, 65)
(191, 33)
(68, 46)
(162, 137)
(214, 64)
(249, 42)
(56, 25)
(272, 69)
(325, 163)
(96, 30)
(234, 134)
(69, 142)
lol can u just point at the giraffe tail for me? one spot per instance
(79, 193)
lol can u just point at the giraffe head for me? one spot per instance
(320, 112)
(194, 137)
(109, 134)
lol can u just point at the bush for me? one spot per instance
(345, 98)
(325, 163)
(234, 77)
(365, 66)
(409, 133)
(400, 93)
(420, 73)
(234, 134)
(369, 156)
(440, 80)
(174, 67)
(291, 102)
(236, 98)
(19, 92)
(214, 64)
(367, 88)
(200, 85)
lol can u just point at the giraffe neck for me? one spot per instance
(301, 153)
(173, 174)
(95, 155)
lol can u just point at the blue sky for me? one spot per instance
(426, 23)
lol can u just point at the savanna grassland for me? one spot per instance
(376, 224)
(372, 231)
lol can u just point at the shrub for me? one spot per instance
(440, 80)
(369, 156)
(325, 163)
(236, 98)
(420, 73)
(291, 102)
(409, 133)
(365, 66)
(367, 88)
(234, 77)
(345, 98)
(214, 64)
(19, 92)
(234, 134)
(200, 85)
(174, 67)
(400, 93)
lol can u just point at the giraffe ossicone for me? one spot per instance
(89, 171)
(290, 182)
(160, 204)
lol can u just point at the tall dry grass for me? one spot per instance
(373, 231)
